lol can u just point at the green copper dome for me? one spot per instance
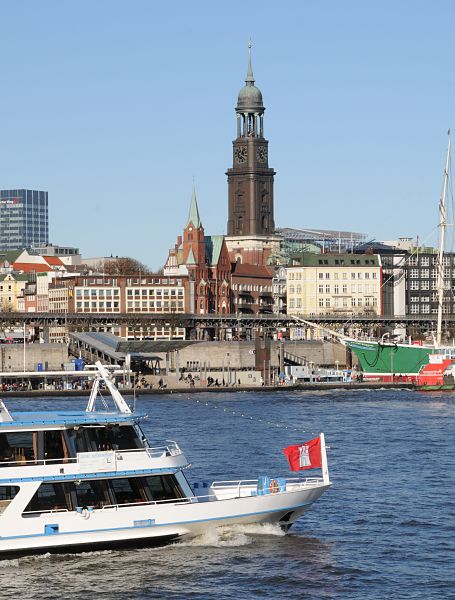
(250, 96)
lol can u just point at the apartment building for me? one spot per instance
(334, 284)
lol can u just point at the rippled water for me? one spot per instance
(384, 530)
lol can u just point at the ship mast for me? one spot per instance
(442, 234)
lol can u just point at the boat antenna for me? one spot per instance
(442, 233)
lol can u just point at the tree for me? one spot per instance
(122, 265)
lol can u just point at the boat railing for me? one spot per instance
(32, 513)
(170, 449)
(37, 462)
(248, 483)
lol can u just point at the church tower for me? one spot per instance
(250, 180)
(251, 224)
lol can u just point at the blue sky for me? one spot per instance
(114, 107)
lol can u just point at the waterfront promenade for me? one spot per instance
(320, 387)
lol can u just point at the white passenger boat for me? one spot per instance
(75, 481)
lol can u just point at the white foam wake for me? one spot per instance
(233, 536)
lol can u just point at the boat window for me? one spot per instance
(163, 487)
(49, 496)
(18, 447)
(68, 495)
(7, 494)
(111, 437)
(92, 493)
(128, 491)
(127, 438)
(53, 445)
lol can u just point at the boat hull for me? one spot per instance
(391, 362)
(150, 525)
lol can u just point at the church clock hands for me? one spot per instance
(261, 154)
(240, 154)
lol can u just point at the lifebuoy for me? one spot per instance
(273, 486)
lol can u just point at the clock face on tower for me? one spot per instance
(240, 154)
(261, 154)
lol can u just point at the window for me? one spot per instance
(49, 496)
(345, 289)
(321, 275)
(327, 289)
(327, 302)
(414, 285)
(163, 487)
(321, 302)
(128, 491)
(16, 447)
(327, 275)
(321, 289)
(7, 493)
(336, 289)
(425, 261)
(425, 273)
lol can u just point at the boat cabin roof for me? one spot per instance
(41, 420)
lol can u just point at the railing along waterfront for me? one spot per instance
(83, 321)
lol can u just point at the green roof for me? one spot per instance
(15, 276)
(308, 259)
(191, 260)
(213, 246)
(11, 255)
(193, 215)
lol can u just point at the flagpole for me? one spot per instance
(324, 464)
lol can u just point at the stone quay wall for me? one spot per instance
(50, 356)
(242, 355)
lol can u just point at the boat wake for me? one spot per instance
(232, 536)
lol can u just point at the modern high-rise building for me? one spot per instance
(23, 219)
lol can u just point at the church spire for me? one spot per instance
(193, 215)
(249, 76)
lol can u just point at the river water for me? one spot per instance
(386, 528)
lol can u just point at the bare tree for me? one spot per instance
(123, 265)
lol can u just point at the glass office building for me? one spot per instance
(23, 219)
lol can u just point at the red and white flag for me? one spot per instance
(304, 456)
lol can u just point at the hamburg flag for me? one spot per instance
(304, 456)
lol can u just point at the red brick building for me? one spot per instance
(204, 262)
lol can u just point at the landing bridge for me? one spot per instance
(92, 321)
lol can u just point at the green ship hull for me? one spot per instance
(390, 362)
